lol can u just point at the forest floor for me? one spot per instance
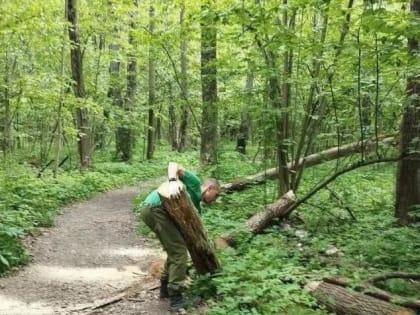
(90, 255)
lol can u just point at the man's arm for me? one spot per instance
(175, 170)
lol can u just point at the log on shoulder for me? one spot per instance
(186, 218)
(345, 301)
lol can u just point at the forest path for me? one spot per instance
(91, 253)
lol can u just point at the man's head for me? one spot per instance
(210, 190)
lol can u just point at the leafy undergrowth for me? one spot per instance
(266, 273)
(28, 202)
(262, 274)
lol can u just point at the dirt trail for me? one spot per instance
(92, 252)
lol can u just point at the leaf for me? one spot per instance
(4, 261)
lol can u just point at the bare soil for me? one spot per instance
(91, 254)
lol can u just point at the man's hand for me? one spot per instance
(174, 189)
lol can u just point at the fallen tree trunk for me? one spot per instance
(263, 219)
(369, 288)
(344, 301)
(185, 216)
(310, 160)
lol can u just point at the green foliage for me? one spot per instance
(265, 274)
(28, 202)
(402, 287)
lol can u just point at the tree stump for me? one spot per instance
(183, 213)
(344, 301)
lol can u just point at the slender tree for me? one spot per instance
(7, 114)
(124, 135)
(82, 122)
(183, 128)
(408, 172)
(152, 93)
(208, 83)
(244, 126)
(172, 119)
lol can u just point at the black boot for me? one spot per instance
(178, 302)
(163, 293)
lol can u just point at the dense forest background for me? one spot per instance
(324, 94)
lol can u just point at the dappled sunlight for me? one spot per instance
(10, 306)
(110, 275)
(133, 252)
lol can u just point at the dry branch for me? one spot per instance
(185, 216)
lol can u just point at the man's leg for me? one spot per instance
(150, 215)
(175, 247)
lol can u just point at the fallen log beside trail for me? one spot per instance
(310, 160)
(264, 218)
(345, 301)
(261, 220)
(186, 218)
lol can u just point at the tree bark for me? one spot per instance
(310, 160)
(172, 120)
(152, 97)
(261, 220)
(209, 84)
(344, 301)
(82, 122)
(264, 218)
(243, 132)
(408, 172)
(183, 128)
(7, 119)
(125, 134)
(185, 216)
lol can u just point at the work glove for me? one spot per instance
(174, 189)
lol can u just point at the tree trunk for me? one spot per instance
(344, 301)
(7, 119)
(99, 129)
(311, 160)
(183, 128)
(408, 172)
(82, 122)
(243, 133)
(152, 97)
(185, 216)
(209, 84)
(124, 135)
(115, 93)
(172, 120)
(261, 220)
(158, 127)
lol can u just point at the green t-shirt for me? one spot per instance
(193, 184)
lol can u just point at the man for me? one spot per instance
(155, 216)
